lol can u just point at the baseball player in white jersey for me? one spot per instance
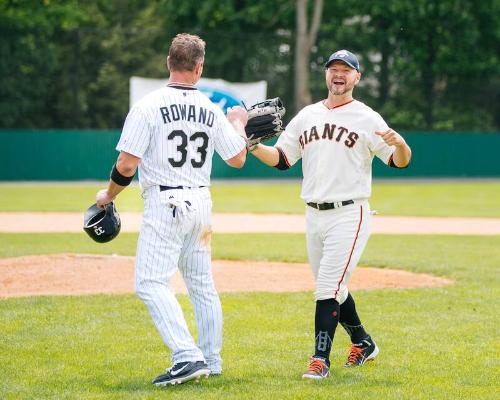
(171, 135)
(337, 139)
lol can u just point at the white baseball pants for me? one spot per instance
(175, 234)
(336, 239)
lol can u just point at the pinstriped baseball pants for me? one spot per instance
(169, 240)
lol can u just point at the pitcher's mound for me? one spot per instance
(75, 274)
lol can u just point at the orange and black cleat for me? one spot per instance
(318, 369)
(362, 352)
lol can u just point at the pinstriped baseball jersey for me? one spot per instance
(175, 131)
(337, 147)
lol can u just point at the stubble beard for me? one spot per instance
(337, 92)
(340, 92)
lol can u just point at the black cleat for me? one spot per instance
(182, 372)
(362, 352)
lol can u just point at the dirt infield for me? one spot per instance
(76, 274)
(245, 223)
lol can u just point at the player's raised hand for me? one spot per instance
(237, 113)
(391, 137)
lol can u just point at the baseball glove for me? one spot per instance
(264, 121)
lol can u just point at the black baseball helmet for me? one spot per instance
(102, 224)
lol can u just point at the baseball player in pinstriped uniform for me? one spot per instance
(337, 139)
(171, 135)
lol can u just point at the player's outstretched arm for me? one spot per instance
(121, 175)
(238, 117)
(269, 155)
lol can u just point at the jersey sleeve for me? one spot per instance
(136, 133)
(288, 142)
(377, 145)
(228, 143)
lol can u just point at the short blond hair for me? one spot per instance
(185, 52)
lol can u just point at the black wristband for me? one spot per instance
(120, 179)
(283, 162)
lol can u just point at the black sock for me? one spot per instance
(326, 321)
(350, 321)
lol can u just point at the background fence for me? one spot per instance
(89, 155)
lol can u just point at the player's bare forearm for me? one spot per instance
(126, 166)
(402, 155)
(269, 155)
(106, 196)
(114, 189)
(238, 160)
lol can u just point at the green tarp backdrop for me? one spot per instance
(53, 155)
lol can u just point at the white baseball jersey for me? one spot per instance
(174, 131)
(337, 147)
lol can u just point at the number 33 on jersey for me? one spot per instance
(175, 131)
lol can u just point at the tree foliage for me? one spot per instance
(426, 64)
(306, 33)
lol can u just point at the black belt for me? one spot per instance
(329, 206)
(163, 188)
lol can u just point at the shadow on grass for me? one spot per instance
(143, 385)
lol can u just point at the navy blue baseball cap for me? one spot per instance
(345, 56)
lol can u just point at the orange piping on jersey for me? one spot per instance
(340, 105)
(352, 250)
(280, 150)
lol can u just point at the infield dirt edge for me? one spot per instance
(81, 274)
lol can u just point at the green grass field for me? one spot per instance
(440, 199)
(437, 343)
